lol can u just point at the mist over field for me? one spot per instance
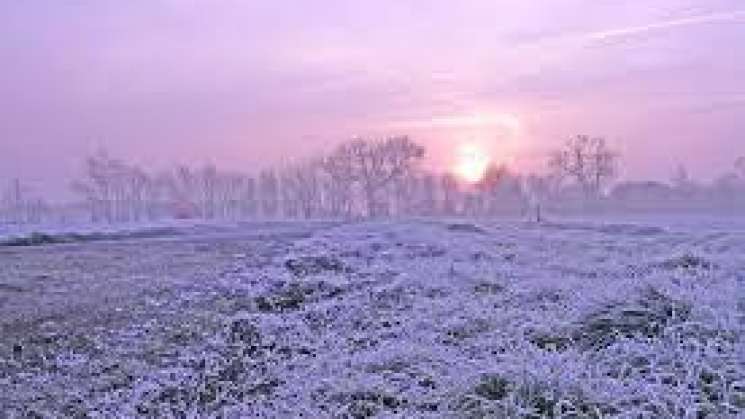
(395, 209)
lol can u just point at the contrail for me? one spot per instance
(693, 20)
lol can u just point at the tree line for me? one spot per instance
(370, 178)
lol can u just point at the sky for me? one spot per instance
(246, 84)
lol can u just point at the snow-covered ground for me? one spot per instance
(418, 318)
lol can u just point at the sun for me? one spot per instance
(471, 163)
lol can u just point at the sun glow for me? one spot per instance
(471, 163)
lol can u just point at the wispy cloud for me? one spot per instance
(558, 44)
(730, 16)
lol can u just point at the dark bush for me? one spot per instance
(466, 228)
(687, 261)
(314, 265)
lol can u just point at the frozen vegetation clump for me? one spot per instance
(294, 295)
(496, 396)
(646, 318)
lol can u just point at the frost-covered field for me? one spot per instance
(427, 318)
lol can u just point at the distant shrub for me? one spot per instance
(466, 228)
(34, 239)
(40, 239)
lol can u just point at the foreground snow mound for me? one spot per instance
(405, 319)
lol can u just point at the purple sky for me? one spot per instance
(247, 83)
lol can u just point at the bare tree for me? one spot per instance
(231, 195)
(183, 191)
(428, 195)
(449, 187)
(540, 189)
(248, 201)
(488, 188)
(97, 187)
(208, 188)
(402, 194)
(603, 164)
(378, 163)
(269, 192)
(14, 201)
(121, 203)
(309, 187)
(502, 191)
(138, 181)
(473, 203)
(19, 205)
(113, 190)
(36, 209)
(589, 162)
(301, 189)
(290, 205)
(339, 181)
(154, 194)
